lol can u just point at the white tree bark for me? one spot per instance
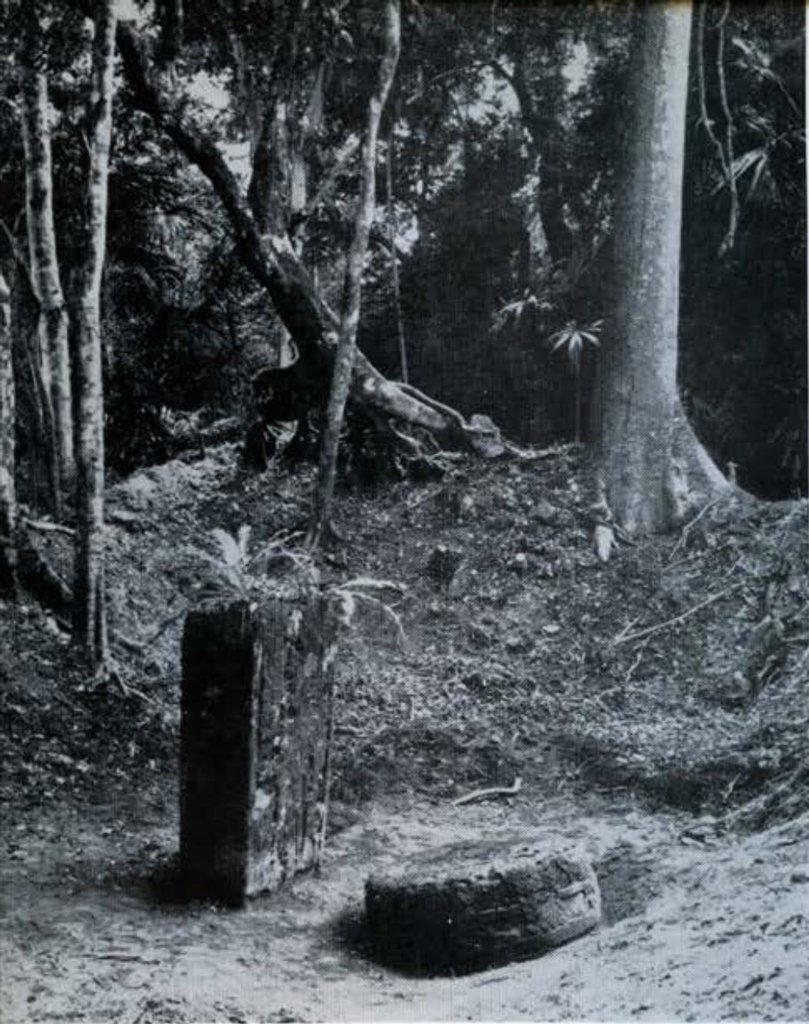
(649, 457)
(90, 612)
(8, 502)
(352, 293)
(52, 326)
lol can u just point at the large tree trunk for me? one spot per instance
(90, 611)
(8, 503)
(352, 295)
(275, 265)
(52, 326)
(649, 459)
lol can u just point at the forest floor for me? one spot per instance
(655, 709)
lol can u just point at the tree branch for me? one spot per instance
(271, 260)
(274, 264)
(730, 237)
(724, 151)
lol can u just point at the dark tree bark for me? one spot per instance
(171, 17)
(275, 265)
(8, 502)
(651, 464)
(90, 629)
(352, 294)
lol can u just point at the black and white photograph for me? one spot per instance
(404, 532)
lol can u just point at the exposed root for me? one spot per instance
(41, 579)
(787, 800)
(492, 793)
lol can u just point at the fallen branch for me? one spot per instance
(634, 666)
(166, 624)
(43, 526)
(624, 632)
(683, 538)
(489, 794)
(788, 797)
(37, 576)
(633, 637)
(433, 492)
(138, 646)
(114, 676)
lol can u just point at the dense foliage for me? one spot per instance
(506, 122)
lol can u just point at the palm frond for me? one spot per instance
(228, 547)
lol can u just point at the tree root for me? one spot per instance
(272, 261)
(787, 800)
(490, 794)
(41, 580)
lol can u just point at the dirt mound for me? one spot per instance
(678, 669)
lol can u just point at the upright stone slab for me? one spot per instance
(257, 712)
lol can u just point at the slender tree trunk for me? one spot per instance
(352, 292)
(648, 455)
(90, 611)
(545, 229)
(540, 260)
(171, 17)
(577, 413)
(52, 326)
(31, 393)
(394, 259)
(8, 502)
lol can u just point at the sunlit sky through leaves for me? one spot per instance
(213, 93)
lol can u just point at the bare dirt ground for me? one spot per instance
(640, 702)
(691, 932)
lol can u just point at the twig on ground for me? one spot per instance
(109, 673)
(138, 646)
(634, 637)
(623, 536)
(621, 635)
(127, 957)
(347, 730)
(489, 794)
(166, 624)
(727, 792)
(422, 498)
(635, 664)
(734, 567)
(683, 538)
(133, 691)
(45, 527)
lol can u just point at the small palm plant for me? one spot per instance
(230, 574)
(510, 314)
(235, 574)
(572, 340)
